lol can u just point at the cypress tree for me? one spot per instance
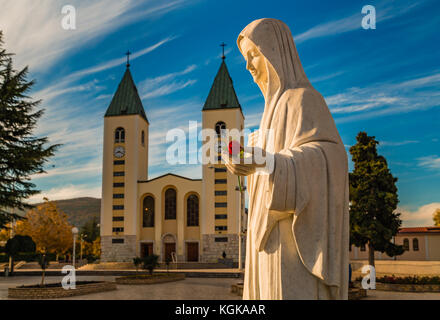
(373, 200)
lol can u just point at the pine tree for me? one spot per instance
(21, 154)
(373, 200)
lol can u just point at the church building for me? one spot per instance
(175, 217)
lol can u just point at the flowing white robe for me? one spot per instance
(297, 240)
(298, 227)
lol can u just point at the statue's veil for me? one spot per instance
(274, 40)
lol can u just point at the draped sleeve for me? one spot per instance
(310, 181)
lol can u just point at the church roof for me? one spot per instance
(222, 94)
(168, 174)
(126, 100)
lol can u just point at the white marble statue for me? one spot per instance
(298, 227)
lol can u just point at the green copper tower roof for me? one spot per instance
(222, 94)
(126, 100)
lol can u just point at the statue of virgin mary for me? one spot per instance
(298, 223)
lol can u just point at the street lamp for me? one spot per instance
(74, 232)
(240, 219)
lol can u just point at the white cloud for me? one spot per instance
(253, 120)
(165, 84)
(151, 82)
(422, 217)
(67, 192)
(117, 62)
(182, 112)
(384, 12)
(430, 162)
(326, 77)
(168, 89)
(386, 98)
(93, 168)
(346, 24)
(397, 143)
(33, 31)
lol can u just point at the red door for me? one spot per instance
(192, 252)
(146, 249)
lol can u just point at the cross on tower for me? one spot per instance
(128, 58)
(223, 45)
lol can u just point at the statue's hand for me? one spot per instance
(244, 166)
(241, 169)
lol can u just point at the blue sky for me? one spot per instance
(384, 81)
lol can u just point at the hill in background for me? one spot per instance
(79, 210)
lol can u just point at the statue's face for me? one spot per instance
(256, 62)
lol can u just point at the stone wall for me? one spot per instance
(118, 252)
(212, 250)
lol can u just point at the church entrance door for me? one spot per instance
(169, 249)
(192, 252)
(146, 249)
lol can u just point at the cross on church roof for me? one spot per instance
(128, 58)
(223, 45)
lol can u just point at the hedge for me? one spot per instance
(407, 280)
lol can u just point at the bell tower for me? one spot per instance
(125, 162)
(222, 203)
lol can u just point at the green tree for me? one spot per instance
(91, 230)
(373, 200)
(151, 262)
(21, 154)
(436, 217)
(19, 244)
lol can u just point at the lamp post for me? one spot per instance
(74, 232)
(240, 220)
(11, 235)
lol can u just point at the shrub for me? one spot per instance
(137, 262)
(407, 280)
(150, 262)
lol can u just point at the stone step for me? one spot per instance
(237, 289)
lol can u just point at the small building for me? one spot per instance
(420, 244)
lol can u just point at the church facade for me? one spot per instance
(175, 217)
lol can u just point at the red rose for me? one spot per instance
(234, 148)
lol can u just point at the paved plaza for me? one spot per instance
(188, 289)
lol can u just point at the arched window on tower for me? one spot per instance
(406, 244)
(192, 211)
(143, 138)
(416, 244)
(148, 212)
(119, 135)
(219, 126)
(170, 204)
